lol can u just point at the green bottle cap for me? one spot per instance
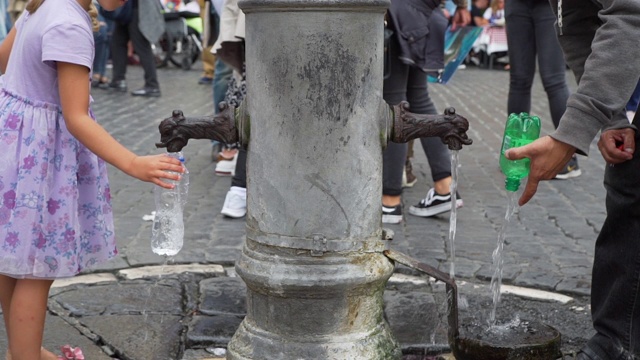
(512, 184)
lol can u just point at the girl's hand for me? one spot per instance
(154, 168)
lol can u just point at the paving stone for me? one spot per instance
(139, 336)
(219, 296)
(167, 270)
(212, 330)
(84, 279)
(413, 317)
(152, 297)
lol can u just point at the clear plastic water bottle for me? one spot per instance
(167, 233)
(521, 129)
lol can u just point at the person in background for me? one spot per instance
(456, 14)
(591, 34)
(221, 77)
(531, 36)
(210, 35)
(15, 9)
(230, 49)
(55, 210)
(102, 39)
(145, 28)
(495, 13)
(478, 8)
(408, 81)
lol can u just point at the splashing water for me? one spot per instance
(453, 216)
(498, 261)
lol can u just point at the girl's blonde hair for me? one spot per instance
(33, 5)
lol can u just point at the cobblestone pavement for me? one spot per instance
(137, 307)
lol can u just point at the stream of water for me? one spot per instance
(453, 216)
(498, 261)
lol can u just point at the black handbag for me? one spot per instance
(121, 15)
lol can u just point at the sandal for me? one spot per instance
(69, 353)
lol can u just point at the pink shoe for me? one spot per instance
(69, 353)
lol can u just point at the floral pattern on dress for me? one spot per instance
(55, 202)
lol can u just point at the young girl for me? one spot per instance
(55, 212)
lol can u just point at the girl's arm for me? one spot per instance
(5, 49)
(74, 96)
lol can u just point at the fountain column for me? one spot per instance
(312, 259)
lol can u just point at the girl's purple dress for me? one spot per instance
(55, 211)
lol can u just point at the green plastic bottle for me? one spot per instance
(521, 129)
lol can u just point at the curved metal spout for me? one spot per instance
(225, 127)
(450, 127)
(452, 289)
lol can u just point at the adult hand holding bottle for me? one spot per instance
(548, 157)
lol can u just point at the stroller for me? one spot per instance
(181, 43)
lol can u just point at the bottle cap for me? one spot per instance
(512, 184)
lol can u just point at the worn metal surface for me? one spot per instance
(313, 260)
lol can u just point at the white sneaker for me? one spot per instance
(227, 167)
(235, 203)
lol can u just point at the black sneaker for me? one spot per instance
(571, 170)
(434, 204)
(392, 215)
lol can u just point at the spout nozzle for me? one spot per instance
(512, 184)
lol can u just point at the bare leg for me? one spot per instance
(44, 355)
(28, 309)
(391, 200)
(443, 186)
(7, 284)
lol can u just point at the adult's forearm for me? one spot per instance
(591, 38)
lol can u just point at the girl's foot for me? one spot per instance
(47, 355)
(44, 355)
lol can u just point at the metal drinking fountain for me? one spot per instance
(314, 124)
(313, 257)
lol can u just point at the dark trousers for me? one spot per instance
(240, 177)
(530, 35)
(409, 83)
(615, 288)
(122, 33)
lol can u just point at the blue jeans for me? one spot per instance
(102, 39)
(530, 35)
(632, 105)
(221, 78)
